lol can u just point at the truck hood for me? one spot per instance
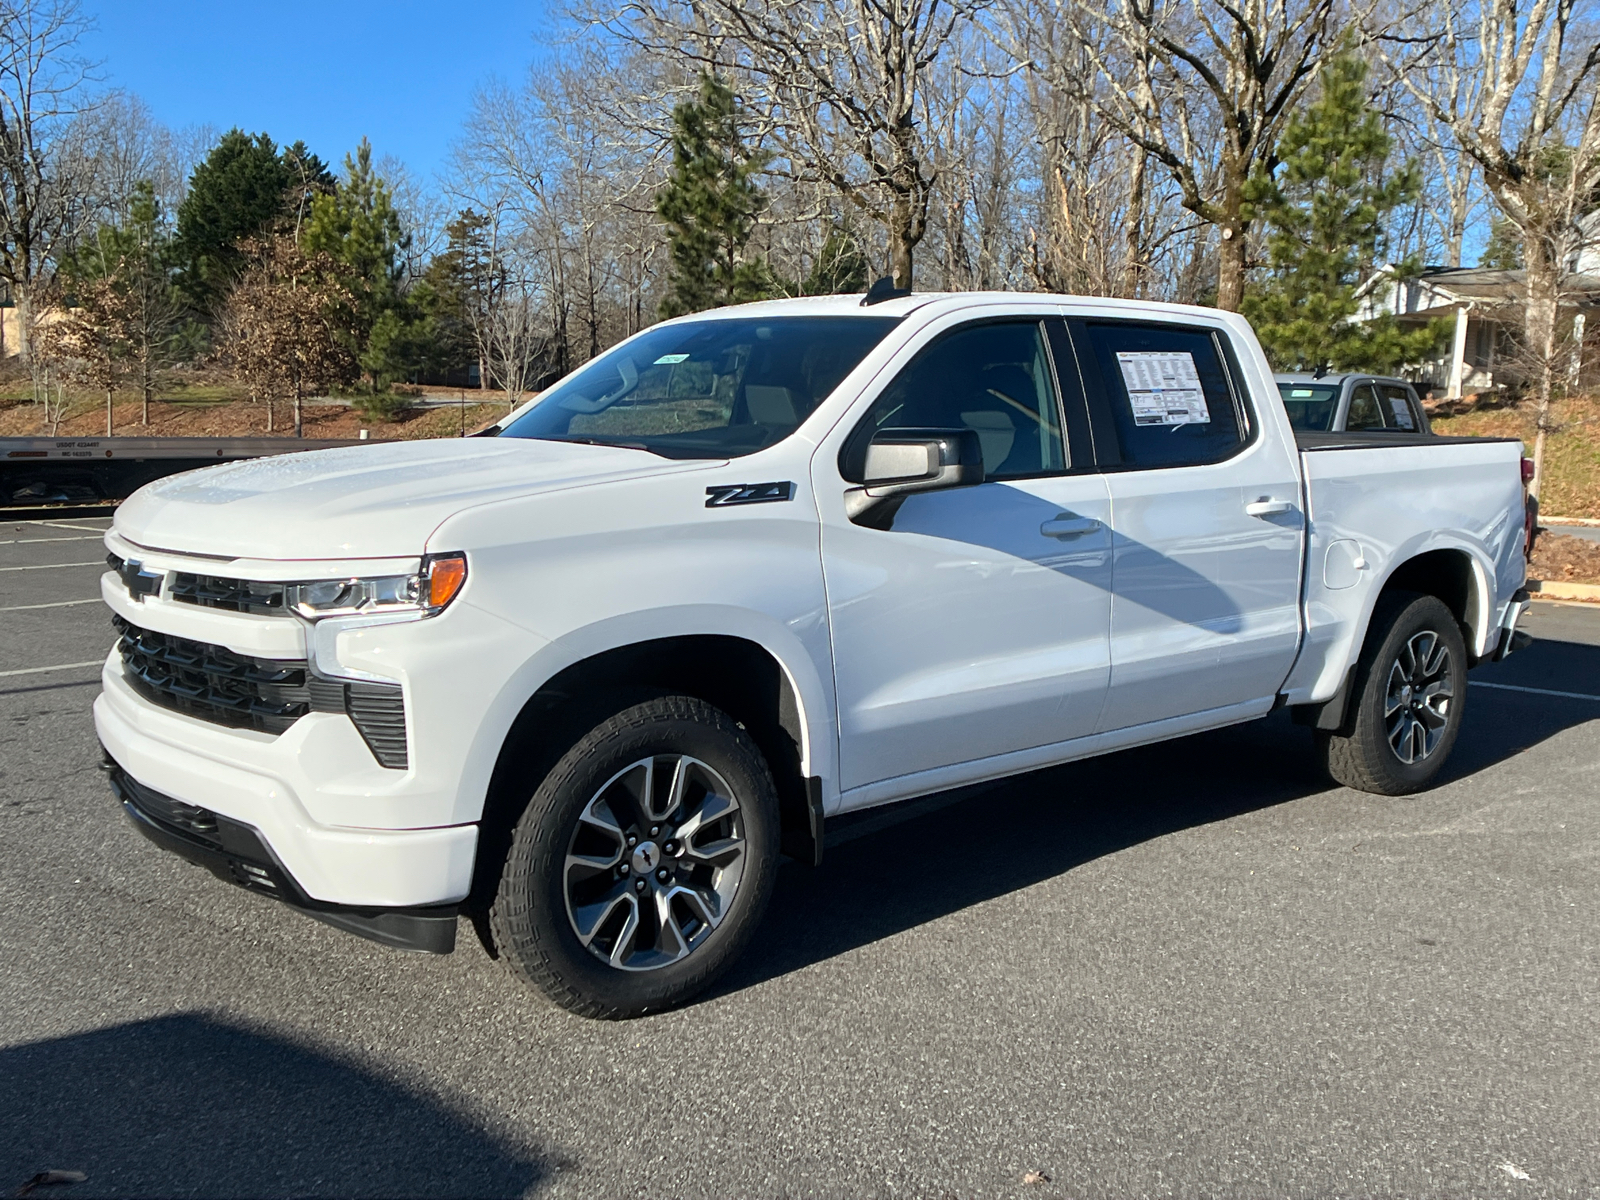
(372, 501)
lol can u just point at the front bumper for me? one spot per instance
(264, 782)
(237, 853)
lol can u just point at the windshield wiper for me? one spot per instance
(587, 441)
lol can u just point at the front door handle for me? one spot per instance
(1068, 525)
(1268, 508)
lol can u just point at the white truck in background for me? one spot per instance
(585, 679)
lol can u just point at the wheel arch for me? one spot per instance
(775, 698)
(1457, 577)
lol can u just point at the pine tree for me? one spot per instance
(841, 268)
(1326, 213)
(236, 193)
(710, 204)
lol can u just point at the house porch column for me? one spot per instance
(1458, 354)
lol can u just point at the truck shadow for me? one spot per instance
(190, 1105)
(954, 851)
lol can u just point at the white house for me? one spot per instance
(1485, 305)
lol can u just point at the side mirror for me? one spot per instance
(900, 462)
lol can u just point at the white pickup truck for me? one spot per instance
(585, 679)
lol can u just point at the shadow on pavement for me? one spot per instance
(1041, 825)
(189, 1105)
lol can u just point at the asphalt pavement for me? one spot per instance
(1196, 969)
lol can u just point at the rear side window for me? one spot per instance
(1397, 400)
(1366, 410)
(1167, 391)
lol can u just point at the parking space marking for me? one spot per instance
(99, 562)
(1512, 687)
(31, 541)
(58, 667)
(79, 528)
(52, 604)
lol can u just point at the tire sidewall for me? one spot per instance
(670, 725)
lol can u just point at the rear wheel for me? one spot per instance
(643, 861)
(1411, 683)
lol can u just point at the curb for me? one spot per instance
(1551, 590)
(1591, 521)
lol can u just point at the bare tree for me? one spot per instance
(89, 341)
(289, 324)
(45, 180)
(1515, 85)
(838, 83)
(1204, 87)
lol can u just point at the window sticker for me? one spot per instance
(1163, 387)
(1402, 412)
(668, 359)
(1300, 394)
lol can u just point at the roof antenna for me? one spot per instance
(883, 289)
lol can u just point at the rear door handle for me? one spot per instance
(1268, 508)
(1068, 525)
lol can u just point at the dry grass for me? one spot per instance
(1571, 486)
(210, 411)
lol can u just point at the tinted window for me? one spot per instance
(705, 389)
(1366, 411)
(1168, 393)
(1397, 403)
(1310, 405)
(994, 378)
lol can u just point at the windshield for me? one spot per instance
(705, 389)
(1310, 405)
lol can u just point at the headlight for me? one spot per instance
(427, 592)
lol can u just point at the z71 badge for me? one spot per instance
(725, 494)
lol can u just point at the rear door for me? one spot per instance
(1206, 523)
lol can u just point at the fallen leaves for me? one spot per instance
(1035, 1177)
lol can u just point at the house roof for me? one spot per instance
(1439, 290)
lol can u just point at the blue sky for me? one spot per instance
(401, 72)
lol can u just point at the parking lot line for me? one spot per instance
(31, 541)
(99, 562)
(79, 528)
(58, 667)
(52, 604)
(1512, 687)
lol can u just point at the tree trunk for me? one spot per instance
(1133, 271)
(1230, 265)
(108, 412)
(144, 371)
(22, 298)
(299, 430)
(1539, 328)
(900, 244)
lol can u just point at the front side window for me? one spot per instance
(994, 378)
(705, 389)
(1311, 406)
(1169, 395)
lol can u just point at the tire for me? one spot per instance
(569, 916)
(1411, 684)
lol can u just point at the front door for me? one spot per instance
(1206, 512)
(975, 623)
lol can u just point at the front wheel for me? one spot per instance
(643, 862)
(1411, 684)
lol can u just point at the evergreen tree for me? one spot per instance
(710, 204)
(464, 284)
(1504, 247)
(1325, 213)
(236, 193)
(841, 268)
